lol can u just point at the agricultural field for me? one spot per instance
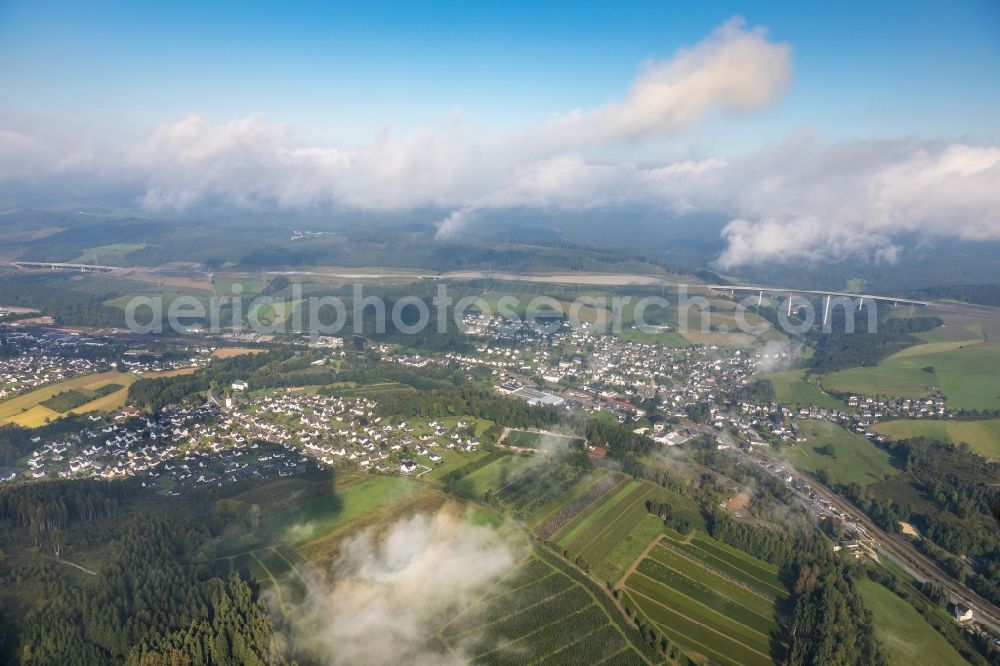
(618, 524)
(558, 511)
(30, 409)
(905, 636)
(73, 398)
(792, 388)
(543, 611)
(624, 553)
(313, 517)
(665, 338)
(166, 295)
(710, 598)
(983, 436)
(846, 456)
(354, 497)
(525, 439)
(229, 285)
(229, 352)
(273, 314)
(543, 614)
(495, 476)
(537, 486)
(278, 569)
(107, 254)
(962, 370)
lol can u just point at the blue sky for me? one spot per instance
(343, 72)
(832, 129)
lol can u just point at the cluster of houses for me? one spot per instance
(120, 448)
(41, 358)
(761, 421)
(583, 367)
(214, 443)
(330, 430)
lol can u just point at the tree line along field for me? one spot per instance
(982, 436)
(846, 456)
(278, 569)
(67, 400)
(544, 614)
(33, 408)
(710, 598)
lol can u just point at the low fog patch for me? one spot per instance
(392, 590)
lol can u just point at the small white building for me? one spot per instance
(962, 613)
(240, 385)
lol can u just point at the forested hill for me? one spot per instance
(979, 294)
(154, 600)
(838, 350)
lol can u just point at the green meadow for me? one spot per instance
(965, 372)
(847, 457)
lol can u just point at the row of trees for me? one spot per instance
(155, 393)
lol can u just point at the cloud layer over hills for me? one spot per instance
(801, 198)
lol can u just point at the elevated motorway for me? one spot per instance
(59, 266)
(755, 289)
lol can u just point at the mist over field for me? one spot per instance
(392, 589)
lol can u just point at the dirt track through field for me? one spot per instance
(635, 563)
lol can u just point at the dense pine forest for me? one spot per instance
(155, 599)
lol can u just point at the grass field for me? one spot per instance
(27, 409)
(905, 636)
(542, 614)
(665, 338)
(452, 460)
(278, 569)
(792, 388)
(983, 436)
(495, 475)
(525, 439)
(965, 372)
(176, 372)
(107, 254)
(710, 598)
(853, 459)
(303, 521)
(349, 389)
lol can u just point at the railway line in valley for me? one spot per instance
(901, 552)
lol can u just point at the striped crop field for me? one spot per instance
(544, 614)
(711, 599)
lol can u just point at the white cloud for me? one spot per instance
(733, 69)
(392, 591)
(856, 200)
(801, 198)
